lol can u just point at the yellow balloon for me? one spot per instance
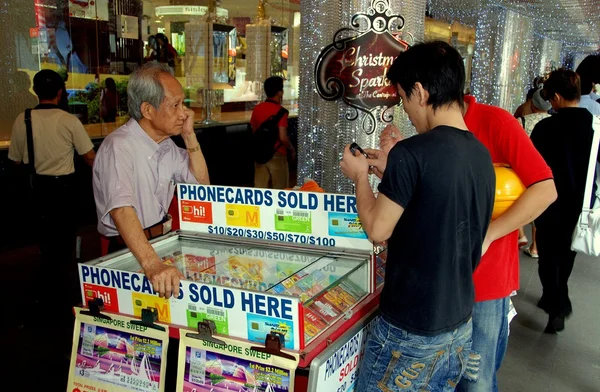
(508, 188)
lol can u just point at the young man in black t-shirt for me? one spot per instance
(434, 206)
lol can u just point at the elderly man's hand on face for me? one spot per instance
(164, 278)
(188, 125)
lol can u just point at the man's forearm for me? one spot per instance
(365, 202)
(529, 206)
(131, 231)
(197, 162)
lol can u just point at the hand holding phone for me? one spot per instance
(355, 147)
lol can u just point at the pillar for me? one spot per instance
(501, 70)
(323, 128)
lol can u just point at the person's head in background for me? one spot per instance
(161, 39)
(538, 83)
(562, 89)
(110, 84)
(589, 72)
(539, 104)
(152, 41)
(429, 76)
(274, 88)
(49, 87)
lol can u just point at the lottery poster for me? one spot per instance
(233, 366)
(117, 355)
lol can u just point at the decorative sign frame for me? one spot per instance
(355, 65)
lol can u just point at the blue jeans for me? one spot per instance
(396, 360)
(490, 338)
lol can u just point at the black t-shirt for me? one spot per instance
(444, 179)
(564, 141)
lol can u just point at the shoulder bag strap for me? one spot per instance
(29, 130)
(589, 182)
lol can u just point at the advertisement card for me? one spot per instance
(116, 355)
(208, 367)
(306, 218)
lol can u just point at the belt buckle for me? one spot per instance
(168, 225)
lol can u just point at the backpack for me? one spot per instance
(265, 140)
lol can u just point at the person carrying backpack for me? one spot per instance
(270, 141)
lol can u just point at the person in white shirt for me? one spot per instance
(589, 72)
(56, 136)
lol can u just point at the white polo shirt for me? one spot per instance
(56, 134)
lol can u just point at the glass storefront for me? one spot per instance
(220, 51)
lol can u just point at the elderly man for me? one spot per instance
(138, 165)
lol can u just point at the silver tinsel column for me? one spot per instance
(323, 130)
(545, 56)
(504, 41)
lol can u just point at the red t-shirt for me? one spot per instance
(262, 112)
(497, 275)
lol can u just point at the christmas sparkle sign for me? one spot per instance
(354, 67)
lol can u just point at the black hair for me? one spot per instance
(530, 93)
(47, 84)
(162, 37)
(563, 82)
(273, 85)
(589, 72)
(110, 84)
(437, 66)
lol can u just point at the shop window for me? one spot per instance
(88, 42)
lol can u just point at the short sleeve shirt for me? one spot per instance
(132, 170)
(56, 135)
(444, 179)
(497, 275)
(262, 112)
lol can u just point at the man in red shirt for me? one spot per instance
(497, 275)
(276, 170)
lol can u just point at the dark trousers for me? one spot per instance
(54, 212)
(555, 266)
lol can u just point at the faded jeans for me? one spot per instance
(490, 338)
(396, 360)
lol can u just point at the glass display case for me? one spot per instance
(327, 285)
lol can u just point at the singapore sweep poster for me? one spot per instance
(117, 355)
(233, 366)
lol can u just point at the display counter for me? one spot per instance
(224, 119)
(257, 264)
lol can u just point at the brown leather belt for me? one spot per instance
(153, 231)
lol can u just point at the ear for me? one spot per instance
(421, 94)
(557, 97)
(147, 110)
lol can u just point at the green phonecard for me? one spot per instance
(217, 315)
(293, 221)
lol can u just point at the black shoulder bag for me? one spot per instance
(30, 152)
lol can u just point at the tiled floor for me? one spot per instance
(567, 362)
(535, 362)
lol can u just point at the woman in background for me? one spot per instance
(109, 101)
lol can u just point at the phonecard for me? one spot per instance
(260, 326)
(293, 221)
(143, 301)
(198, 314)
(196, 211)
(108, 295)
(345, 225)
(242, 216)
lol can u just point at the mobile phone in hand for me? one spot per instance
(355, 147)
